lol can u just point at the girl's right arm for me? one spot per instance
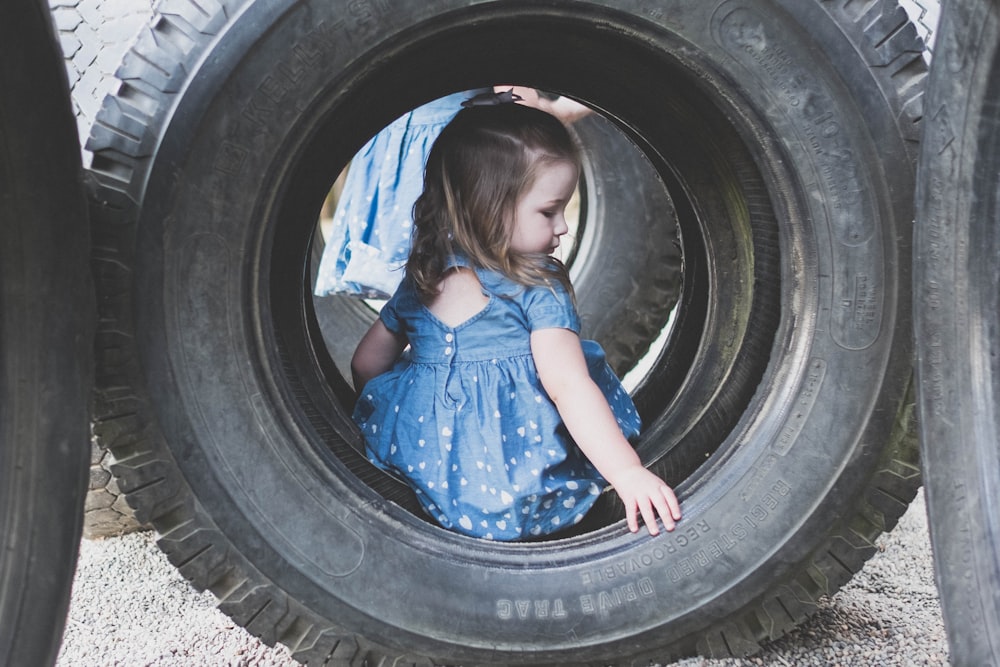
(376, 353)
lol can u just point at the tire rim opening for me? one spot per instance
(707, 352)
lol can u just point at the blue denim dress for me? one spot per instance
(369, 239)
(463, 417)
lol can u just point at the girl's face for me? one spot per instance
(540, 214)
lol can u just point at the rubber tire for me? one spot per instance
(94, 35)
(956, 301)
(782, 404)
(46, 327)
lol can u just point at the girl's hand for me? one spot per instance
(567, 110)
(647, 495)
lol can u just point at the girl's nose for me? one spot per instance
(561, 226)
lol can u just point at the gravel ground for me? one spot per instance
(130, 607)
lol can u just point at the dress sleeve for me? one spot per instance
(550, 308)
(390, 311)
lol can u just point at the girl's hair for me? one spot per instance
(483, 161)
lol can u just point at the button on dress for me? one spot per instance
(464, 419)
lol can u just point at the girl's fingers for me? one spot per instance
(649, 516)
(663, 509)
(663, 504)
(672, 502)
(630, 516)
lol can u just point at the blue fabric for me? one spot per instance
(464, 419)
(370, 236)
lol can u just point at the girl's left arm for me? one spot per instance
(563, 372)
(376, 353)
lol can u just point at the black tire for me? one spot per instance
(781, 406)
(46, 327)
(94, 35)
(956, 301)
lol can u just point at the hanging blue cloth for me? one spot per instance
(372, 226)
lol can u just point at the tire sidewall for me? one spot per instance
(247, 461)
(46, 326)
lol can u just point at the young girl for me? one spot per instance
(502, 421)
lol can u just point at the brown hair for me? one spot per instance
(484, 160)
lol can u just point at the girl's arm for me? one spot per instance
(562, 370)
(376, 353)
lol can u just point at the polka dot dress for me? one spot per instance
(464, 419)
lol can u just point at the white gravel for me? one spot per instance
(131, 608)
